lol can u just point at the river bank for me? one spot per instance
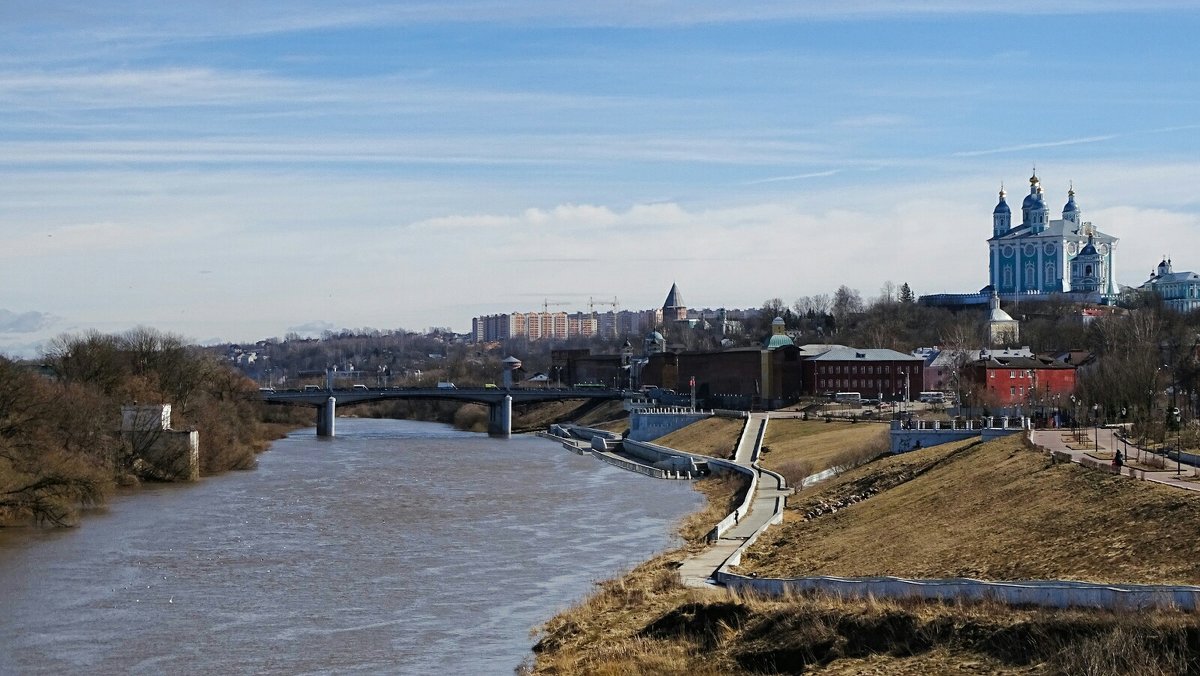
(645, 622)
(71, 430)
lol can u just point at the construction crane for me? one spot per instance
(592, 303)
(612, 326)
(546, 304)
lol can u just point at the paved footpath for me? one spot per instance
(1108, 442)
(697, 570)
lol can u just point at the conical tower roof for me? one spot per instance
(674, 298)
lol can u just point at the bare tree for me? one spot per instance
(846, 301)
(887, 292)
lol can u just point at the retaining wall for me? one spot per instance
(1044, 593)
(926, 433)
(651, 423)
(633, 466)
(658, 455)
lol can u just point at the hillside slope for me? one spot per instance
(999, 510)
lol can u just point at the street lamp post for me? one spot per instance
(1178, 441)
(1074, 421)
(1096, 422)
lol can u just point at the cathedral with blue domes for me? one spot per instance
(1039, 256)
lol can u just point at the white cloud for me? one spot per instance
(24, 322)
(1035, 146)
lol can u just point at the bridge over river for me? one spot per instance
(498, 400)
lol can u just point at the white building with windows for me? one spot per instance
(1179, 291)
(1038, 256)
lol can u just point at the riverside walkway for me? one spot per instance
(762, 506)
(766, 500)
(1104, 442)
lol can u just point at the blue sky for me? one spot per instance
(232, 170)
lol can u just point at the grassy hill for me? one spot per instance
(716, 437)
(798, 448)
(996, 510)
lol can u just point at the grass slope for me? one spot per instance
(998, 510)
(716, 437)
(798, 448)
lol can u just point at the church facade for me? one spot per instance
(1179, 291)
(1040, 256)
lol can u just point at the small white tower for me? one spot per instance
(1001, 328)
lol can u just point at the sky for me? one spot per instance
(232, 171)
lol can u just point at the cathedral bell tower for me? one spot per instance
(1071, 212)
(1001, 217)
(1087, 268)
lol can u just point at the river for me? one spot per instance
(397, 547)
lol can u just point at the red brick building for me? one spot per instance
(1023, 381)
(870, 372)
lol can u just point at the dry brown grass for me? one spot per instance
(645, 623)
(798, 448)
(716, 437)
(535, 417)
(996, 511)
(604, 413)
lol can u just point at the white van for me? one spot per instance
(446, 385)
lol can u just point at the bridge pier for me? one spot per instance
(500, 418)
(326, 415)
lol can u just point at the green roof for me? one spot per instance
(778, 341)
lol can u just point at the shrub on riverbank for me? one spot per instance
(59, 447)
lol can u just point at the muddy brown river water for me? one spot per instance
(396, 548)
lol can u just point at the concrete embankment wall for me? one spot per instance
(617, 461)
(926, 433)
(662, 457)
(651, 423)
(1043, 593)
(599, 448)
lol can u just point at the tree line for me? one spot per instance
(59, 418)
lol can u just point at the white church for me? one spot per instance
(1039, 256)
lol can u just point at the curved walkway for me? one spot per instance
(769, 494)
(1052, 440)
